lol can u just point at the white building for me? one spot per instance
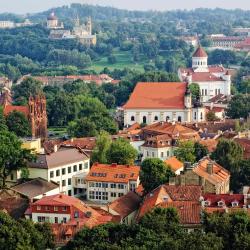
(105, 183)
(213, 80)
(53, 22)
(153, 102)
(60, 166)
(7, 25)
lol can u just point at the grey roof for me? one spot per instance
(64, 156)
(35, 187)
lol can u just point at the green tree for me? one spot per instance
(12, 156)
(18, 123)
(154, 172)
(112, 59)
(239, 106)
(2, 120)
(185, 151)
(28, 87)
(228, 153)
(195, 91)
(103, 143)
(121, 152)
(211, 116)
(200, 151)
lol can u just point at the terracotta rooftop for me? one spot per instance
(174, 163)
(169, 193)
(113, 173)
(200, 52)
(211, 144)
(86, 143)
(219, 174)
(245, 144)
(189, 211)
(157, 95)
(10, 108)
(64, 155)
(35, 187)
(158, 141)
(126, 204)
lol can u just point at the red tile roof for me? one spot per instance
(211, 144)
(126, 204)
(200, 52)
(174, 163)
(226, 198)
(219, 174)
(156, 95)
(113, 173)
(188, 211)
(10, 108)
(169, 193)
(87, 143)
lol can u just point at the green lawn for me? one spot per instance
(123, 58)
(57, 131)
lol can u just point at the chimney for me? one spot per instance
(88, 214)
(187, 166)
(55, 148)
(210, 167)
(72, 140)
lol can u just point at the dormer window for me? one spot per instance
(235, 204)
(221, 203)
(207, 203)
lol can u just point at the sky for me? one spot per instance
(31, 6)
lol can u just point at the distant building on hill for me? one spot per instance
(53, 22)
(213, 80)
(153, 102)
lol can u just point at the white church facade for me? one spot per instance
(212, 79)
(153, 102)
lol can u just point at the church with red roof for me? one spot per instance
(212, 79)
(153, 102)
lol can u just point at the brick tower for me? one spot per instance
(38, 116)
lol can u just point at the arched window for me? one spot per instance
(156, 118)
(201, 116)
(179, 118)
(167, 118)
(195, 116)
(144, 119)
(132, 118)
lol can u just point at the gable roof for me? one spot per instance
(64, 156)
(157, 95)
(174, 163)
(113, 173)
(218, 175)
(35, 187)
(126, 204)
(200, 52)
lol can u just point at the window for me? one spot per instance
(80, 167)
(132, 187)
(105, 196)
(167, 153)
(38, 208)
(12, 177)
(75, 168)
(69, 170)
(201, 116)
(147, 153)
(51, 174)
(113, 185)
(205, 91)
(113, 194)
(162, 154)
(144, 119)
(55, 208)
(91, 195)
(63, 183)
(91, 184)
(120, 194)
(69, 181)
(132, 118)
(202, 92)
(179, 118)
(156, 118)
(98, 184)
(105, 185)
(58, 172)
(86, 165)
(120, 186)
(153, 154)
(76, 214)
(235, 204)
(56, 220)
(46, 208)
(64, 219)
(41, 218)
(98, 195)
(64, 208)
(63, 171)
(167, 118)
(195, 115)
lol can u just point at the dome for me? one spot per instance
(52, 17)
(200, 52)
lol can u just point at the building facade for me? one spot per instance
(212, 80)
(105, 183)
(153, 102)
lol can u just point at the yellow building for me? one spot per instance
(32, 144)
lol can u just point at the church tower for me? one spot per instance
(199, 60)
(89, 26)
